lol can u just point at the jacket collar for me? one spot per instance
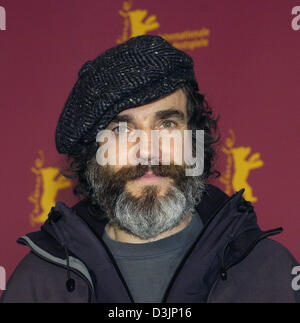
(229, 223)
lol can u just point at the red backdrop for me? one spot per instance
(247, 64)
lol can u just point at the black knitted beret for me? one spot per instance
(143, 69)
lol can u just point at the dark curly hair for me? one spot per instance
(200, 117)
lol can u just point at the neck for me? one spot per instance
(117, 234)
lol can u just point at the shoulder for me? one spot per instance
(36, 280)
(32, 277)
(265, 275)
(273, 261)
(272, 251)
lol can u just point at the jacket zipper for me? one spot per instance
(168, 289)
(114, 262)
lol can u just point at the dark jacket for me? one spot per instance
(231, 261)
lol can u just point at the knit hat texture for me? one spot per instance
(139, 71)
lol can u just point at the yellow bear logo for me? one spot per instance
(48, 183)
(137, 21)
(238, 158)
(139, 26)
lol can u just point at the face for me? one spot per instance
(166, 114)
(148, 199)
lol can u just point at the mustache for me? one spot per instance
(107, 184)
(129, 173)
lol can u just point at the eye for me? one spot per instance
(120, 130)
(168, 124)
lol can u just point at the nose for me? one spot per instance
(148, 148)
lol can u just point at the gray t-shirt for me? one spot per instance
(148, 267)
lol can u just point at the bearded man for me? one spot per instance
(145, 230)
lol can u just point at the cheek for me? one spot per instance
(174, 149)
(123, 152)
(106, 154)
(113, 153)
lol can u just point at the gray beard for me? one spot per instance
(149, 214)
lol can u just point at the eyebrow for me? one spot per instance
(170, 113)
(159, 115)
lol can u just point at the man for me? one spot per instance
(145, 231)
